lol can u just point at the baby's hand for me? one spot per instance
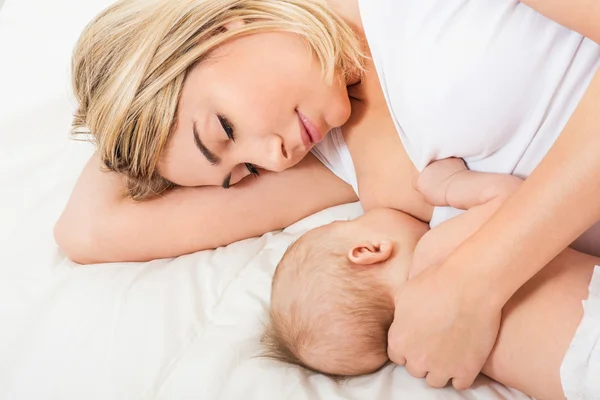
(433, 182)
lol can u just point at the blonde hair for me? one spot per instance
(327, 316)
(131, 61)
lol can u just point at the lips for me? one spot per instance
(306, 139)
(311, 134)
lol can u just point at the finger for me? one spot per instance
(394, 350)
(415, 371)
(437, 381)
(396, 355)
(464, 383)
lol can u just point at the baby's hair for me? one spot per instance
(327, 315)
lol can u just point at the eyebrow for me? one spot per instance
(210, 156)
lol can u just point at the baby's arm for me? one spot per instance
(449, 183)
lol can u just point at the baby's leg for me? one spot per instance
(538, 325)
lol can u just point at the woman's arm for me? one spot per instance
(560, 199)
(449, 183)
(557, 203)
(578, 15)
(100, 224)
(538, 326)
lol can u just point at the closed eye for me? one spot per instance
(229, 131)
(251, 168)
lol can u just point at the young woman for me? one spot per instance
(185, 98)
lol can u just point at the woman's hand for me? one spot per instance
(445, 326)
(447, 318)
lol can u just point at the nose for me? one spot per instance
(275, 156)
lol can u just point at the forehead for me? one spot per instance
(201, 81)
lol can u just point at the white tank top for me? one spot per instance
(334, 154)
(490, 81)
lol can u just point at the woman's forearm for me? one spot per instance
(557, 203)
(538, 325)
(100, 225)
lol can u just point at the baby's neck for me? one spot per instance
(397, 272)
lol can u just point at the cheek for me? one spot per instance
(260, 111)
(182, 166)
(171, 168)
(252, 103)
(280, 83)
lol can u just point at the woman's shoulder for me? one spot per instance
(433, 24)
(453, 69)
(348, 10)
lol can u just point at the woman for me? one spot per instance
(205, 93)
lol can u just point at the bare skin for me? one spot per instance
(538, 324)
(555, 205)
(100, 224)
(539, 321)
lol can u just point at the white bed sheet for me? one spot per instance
(169, 329)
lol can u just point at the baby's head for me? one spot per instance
(332, 299)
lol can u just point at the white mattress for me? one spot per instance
(168, 329)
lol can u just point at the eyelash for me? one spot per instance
(226, 127)
(252, 169)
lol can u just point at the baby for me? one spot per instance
(332, 300)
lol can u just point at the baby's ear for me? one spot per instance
(370, 252)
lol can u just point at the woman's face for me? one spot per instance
(259, 101)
